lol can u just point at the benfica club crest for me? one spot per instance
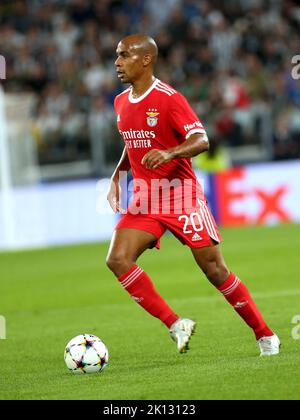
(152, 117)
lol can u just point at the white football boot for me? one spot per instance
(269, 345)
(181, 332)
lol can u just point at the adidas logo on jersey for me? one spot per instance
(196, 237)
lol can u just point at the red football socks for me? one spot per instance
(139, 285)
(237, 294)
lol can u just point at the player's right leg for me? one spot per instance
(126, 246)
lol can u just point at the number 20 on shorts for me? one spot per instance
(194, 220)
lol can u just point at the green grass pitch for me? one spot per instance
(49, 296)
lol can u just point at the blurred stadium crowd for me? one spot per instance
(232, 59)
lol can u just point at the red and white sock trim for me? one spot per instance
(128, 280)
(232, 287)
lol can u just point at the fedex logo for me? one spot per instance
(247, 196)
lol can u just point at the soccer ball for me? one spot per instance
(86, 353)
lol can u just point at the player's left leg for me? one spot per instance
(212, 263)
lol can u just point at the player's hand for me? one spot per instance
(155, 158)
(114, 197)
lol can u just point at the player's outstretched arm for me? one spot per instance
(114, 191)
(193, 146)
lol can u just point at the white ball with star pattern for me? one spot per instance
(86, 353)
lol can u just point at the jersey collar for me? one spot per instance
(140, 98)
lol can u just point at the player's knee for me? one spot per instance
(113, 261)
(216, 273)
(118, 263)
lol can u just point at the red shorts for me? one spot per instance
(194, 229)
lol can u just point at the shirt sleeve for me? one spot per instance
(183, 118)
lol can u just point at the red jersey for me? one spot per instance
(159, 119)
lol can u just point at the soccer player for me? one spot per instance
(161, 134)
